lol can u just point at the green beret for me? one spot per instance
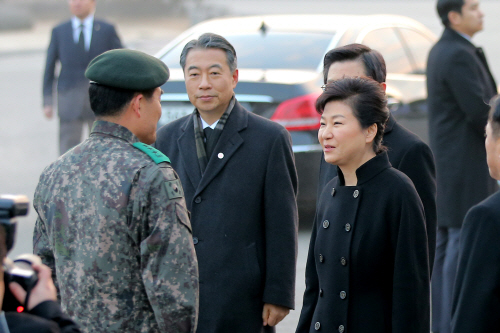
(127, 69)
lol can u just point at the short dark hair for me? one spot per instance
(494, 116)
(367, 100)
(108, 101)
(446, 6)
(211, 41)
(372, 60)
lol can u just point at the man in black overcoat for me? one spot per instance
(406, 151)
(476, 298)
(73, 45)
(476, 293)
(240, 184)
(459, 85)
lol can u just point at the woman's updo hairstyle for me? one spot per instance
(367, 100)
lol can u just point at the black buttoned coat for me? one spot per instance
(459, 87)
(476, 298)
(243, 215)
(367, 268)
(410, 155)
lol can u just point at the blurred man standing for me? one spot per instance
(73, 44)
(239, 177)
(112, 219)
(459, 85)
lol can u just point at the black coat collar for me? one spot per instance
(452, 35)
(368, 170)
(390, 123)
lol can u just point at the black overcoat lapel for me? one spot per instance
(228, 143)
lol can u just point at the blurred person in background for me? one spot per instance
(406, 151)
(476, 297)
(239, 177)
(112, 220)
(368, 265)
(72, 45)
(459, 87)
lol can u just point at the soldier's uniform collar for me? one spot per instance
(113, 129)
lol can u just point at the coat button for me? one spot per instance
(343, 295)
(317, 326)
(321, 258)
(343, 261)
(348, 227)
(341, 328)
(321, 293)
(355, 194)
(197, 199)
(195, 240)
(326, 224)
(333, 191)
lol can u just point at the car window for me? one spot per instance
(273, 50)
(387, 42)
(419, 46)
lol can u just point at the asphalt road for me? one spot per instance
(29, 141)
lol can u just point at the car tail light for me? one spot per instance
(298, 114)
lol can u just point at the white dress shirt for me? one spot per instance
(88, 24)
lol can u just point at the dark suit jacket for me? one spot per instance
(410, 155)
(243, 215)
(46, 317)
(459, 86)
(476, 299)
(72, 85)
(368, 241)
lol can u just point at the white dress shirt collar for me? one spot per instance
(88, 24)
(204, 124)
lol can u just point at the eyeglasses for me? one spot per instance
(323, 87)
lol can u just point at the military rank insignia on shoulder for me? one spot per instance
(156, 155)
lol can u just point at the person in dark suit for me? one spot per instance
(459, 86)
(476, 296)
(74, 44)
(406, 151)
(368, 266)
(240, 184)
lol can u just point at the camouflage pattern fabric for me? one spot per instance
(113, 226)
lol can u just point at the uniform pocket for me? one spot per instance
(183, 216)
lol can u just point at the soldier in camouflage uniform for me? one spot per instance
(112, 220)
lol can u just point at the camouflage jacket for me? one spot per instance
(113, 226)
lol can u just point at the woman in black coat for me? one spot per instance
(476, 297)
(367, 269)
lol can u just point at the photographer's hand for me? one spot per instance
(43, 291)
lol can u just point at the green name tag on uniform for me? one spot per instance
(156, 155)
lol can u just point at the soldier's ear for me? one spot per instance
(135, 104)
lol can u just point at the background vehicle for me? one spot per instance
(280, 61)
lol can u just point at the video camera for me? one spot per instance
(20, 269)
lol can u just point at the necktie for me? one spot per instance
(480, 53)
(208, 132)
(482, 57)
(81, 40)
